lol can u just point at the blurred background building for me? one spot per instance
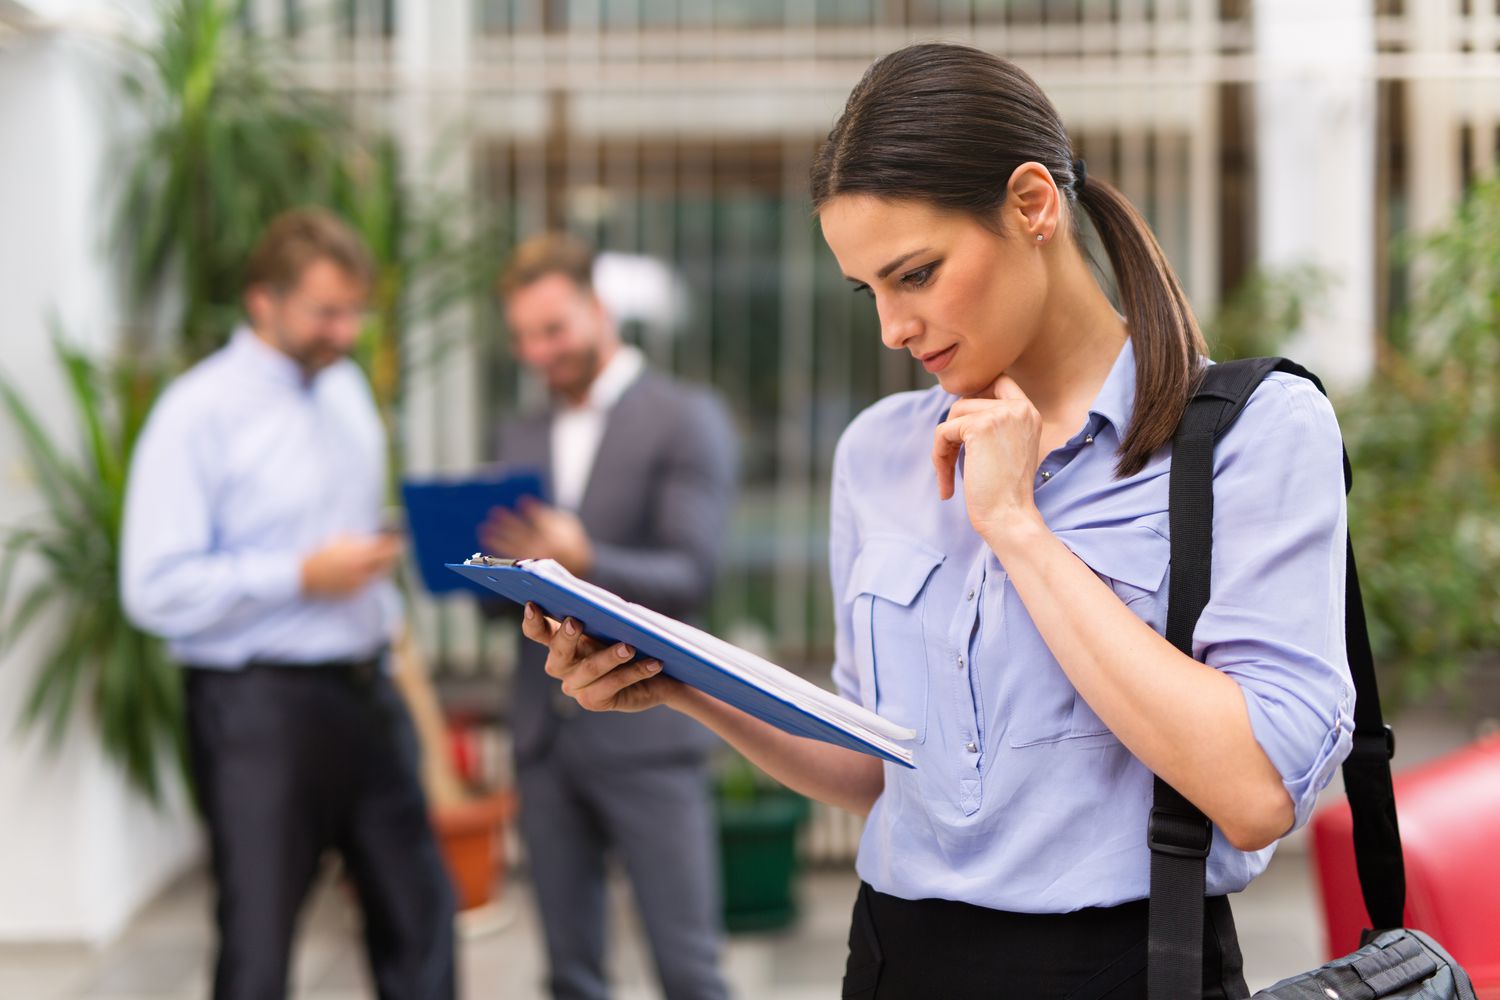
(1263, 139)
(1259, 139)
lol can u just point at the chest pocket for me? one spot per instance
(1132, 559)
(887, 588)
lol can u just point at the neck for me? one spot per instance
(264, 335)
(1067, 362)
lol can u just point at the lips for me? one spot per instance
(938, 360)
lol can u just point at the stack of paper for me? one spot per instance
(695, 657)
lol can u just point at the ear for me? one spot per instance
(596, 304)
(258, 304)
(1032, 203)
(604, 320)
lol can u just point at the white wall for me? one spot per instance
(79, 853)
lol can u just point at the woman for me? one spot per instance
(1017, 630)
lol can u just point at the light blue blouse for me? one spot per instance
(1021, 798)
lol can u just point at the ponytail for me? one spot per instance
(1169, 347)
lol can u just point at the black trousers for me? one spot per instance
(290, 762)
(903, 949)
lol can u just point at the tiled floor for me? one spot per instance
(164, 955)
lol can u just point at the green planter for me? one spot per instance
(758, 854)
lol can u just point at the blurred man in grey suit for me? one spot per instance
(641, 473)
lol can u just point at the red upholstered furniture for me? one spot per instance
(1449, 810)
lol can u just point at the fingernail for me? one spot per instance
(623, 652)
(571, 626)
(530, 612)
(652, 667)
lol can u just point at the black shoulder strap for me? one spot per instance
(1179, 834)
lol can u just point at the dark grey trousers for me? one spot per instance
(290, 762)
(576, 812)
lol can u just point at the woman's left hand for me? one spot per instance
(1000, 433)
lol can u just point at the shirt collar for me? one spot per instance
(611, 383)
(1116, 399)
(259, 357)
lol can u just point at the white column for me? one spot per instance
(1315, 132)
(79, 851)
(1201, 262)
(1434, 173)
(441, 413)
(432, 55)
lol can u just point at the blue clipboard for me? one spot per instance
(689, 667)
(443, 518)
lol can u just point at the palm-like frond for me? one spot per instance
(228, 143)
(94, 659)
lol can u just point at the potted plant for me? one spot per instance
(1424, 438)
(100, 663)
(759, 821)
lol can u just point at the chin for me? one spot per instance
(963, 384)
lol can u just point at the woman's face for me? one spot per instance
(964, 299)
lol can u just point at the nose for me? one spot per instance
(534, 353)
(897, 328)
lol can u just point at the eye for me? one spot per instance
(862, 287)
(920, 277)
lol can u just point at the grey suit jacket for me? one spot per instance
(657, 509)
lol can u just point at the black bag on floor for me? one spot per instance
(1394, 962)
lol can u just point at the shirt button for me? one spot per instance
(1089, 439)
(970, 596)
(960, 661)
(1046, 474)
(971, 748)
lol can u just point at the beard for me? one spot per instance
(575, 374)
(311, 356)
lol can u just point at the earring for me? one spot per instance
(1040, 237)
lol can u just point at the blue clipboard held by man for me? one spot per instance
(444, 518)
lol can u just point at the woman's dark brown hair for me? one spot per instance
(948, 125)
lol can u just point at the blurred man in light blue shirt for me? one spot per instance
(252, 543)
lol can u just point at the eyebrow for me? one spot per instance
(899, 261)
(885, 271)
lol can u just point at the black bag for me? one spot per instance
(1393, 962)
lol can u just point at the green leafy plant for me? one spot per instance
(97, 661)
(228, 144)
(1424, 437)
(739, 781)
(1264, 310)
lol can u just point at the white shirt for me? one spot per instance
(244, 468)
(577, 430)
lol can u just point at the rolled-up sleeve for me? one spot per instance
(1275, 621)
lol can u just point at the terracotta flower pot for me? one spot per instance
(469, 834)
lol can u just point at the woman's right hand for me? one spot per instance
(600, 678)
